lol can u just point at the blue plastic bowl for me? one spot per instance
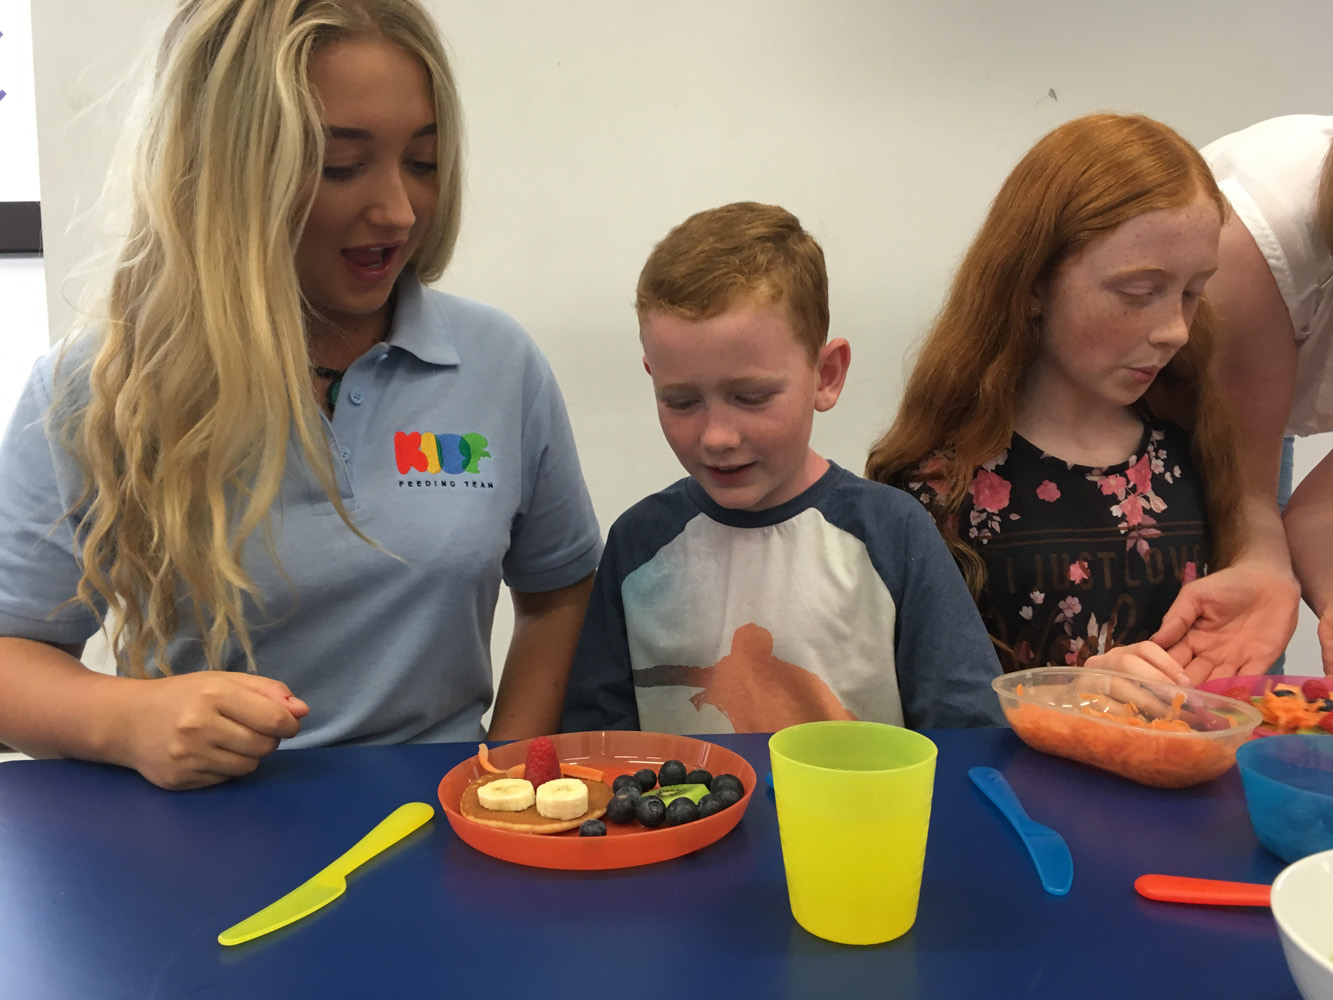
(1289, 791)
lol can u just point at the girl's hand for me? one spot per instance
(198, 729)
(1144, 660)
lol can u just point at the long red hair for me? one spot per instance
(1077, 184)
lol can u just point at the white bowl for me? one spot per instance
(1303, 907)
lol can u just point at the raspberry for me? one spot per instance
(1239, 693)
(1314, 689)
(542, 764)
(1326, 723)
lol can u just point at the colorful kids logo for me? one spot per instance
(450, 453)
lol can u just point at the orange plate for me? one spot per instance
(1256, 685)
(615, 753)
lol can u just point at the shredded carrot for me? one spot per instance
(568, 770)
(1288, 713)
(1133, 746)
(1127, 715)
(580, 771)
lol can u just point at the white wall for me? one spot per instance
(23, 322)
(595, 125)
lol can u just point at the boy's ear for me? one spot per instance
(645, 366)
(835, 358)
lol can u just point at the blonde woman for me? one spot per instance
(289, 475)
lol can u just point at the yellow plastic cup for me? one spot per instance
(853, 804)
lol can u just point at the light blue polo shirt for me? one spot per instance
(453, 451)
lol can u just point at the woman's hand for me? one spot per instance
(1144, 660)
(1235, 621)
(1325, 633)
(198, 729)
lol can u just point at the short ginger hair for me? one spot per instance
(742, 252)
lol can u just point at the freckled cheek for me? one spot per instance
(676, 429)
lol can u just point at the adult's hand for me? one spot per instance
(1235, 621)
(197, 729)
(1325, 633)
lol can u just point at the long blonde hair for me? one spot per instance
(200, 375)
(1075, 185)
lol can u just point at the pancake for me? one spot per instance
(530, 820)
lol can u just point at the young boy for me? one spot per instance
(770, 587)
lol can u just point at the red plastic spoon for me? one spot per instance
(1179, 889)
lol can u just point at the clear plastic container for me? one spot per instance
(1153, 733)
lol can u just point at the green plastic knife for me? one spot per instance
(330, 883)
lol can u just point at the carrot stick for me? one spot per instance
(581, 771)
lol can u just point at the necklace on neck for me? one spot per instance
(335, 375)
(331, 393)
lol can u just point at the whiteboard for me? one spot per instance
(593, 126)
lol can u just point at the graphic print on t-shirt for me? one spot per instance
(750, 686)
(434, 453)
(800, 597)
(1080, 559)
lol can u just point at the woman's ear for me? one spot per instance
(831, 366)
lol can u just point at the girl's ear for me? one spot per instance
(834, 359)
(1036, 298)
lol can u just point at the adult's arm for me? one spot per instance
(1309, 523)
(183, 731)
(536, 670)
(1240, 618)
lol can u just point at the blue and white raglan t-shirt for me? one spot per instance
(452, 450)
(842, 603)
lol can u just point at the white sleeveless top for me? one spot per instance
(1270, 174)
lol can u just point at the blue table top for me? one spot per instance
(110, 887)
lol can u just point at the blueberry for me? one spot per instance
(681, 810)
(708, 805)
(727, 781)
(620, 809)
(624, 781)
(1284, 694)
(592, 828)
(646, 778)
(650, 811)
(727, 796)
(630, 791)
(699, 777)
(672, 773)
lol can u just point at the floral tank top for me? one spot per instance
(1081, 559)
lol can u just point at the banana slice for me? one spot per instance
(562, 798)
(506, 795)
